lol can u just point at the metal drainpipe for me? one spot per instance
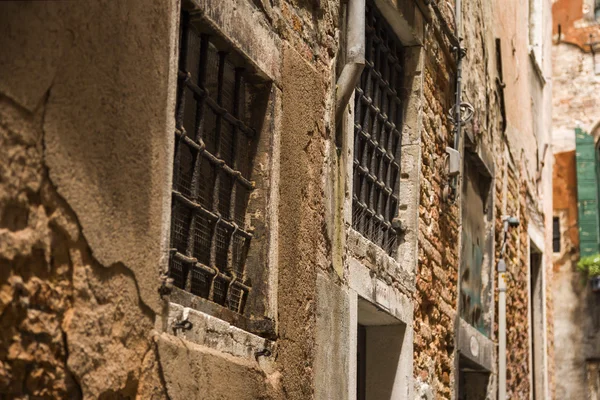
(507, 222)
(355, 56)
(460, 53)
(502, 323)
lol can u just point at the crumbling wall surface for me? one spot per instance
(80, 212)
(70, 327)
(519, 188)
(436, 298)
(575, 95)
(517, 300)
(301, 217)
(436, 276)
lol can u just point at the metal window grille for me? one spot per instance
(377, 136)
(212, 165)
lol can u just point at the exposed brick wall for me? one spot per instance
(517, 338)
(439, 230)
(575, 94)
(437, 271)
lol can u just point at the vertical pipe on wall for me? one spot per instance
(355, 56)
(459, 56)
(508, 221)
(501, 330)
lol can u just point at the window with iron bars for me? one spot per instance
(377, 134)
(214, 149)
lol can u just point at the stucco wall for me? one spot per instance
(87, 122)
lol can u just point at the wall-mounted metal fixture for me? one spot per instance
(500, 82)
(453, 161)
(262, 353)
(466, 113)
(460, 53)
(184, 325)
(399, 226)
(594, 48)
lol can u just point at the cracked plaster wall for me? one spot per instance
(81, 121)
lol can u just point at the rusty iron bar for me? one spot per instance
(207, 259)
(377, 139)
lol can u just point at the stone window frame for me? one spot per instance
(407, 22)
(379, 108)
(391, 303)
(262, 56)
(471, 344)
(537, 238)
(364, 257)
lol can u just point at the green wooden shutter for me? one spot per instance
(587, 193)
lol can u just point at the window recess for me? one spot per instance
(556, 234)
(214, 148)
(377, 134)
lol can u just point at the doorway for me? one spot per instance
(536, 321)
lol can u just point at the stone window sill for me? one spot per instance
(216, 334)
(378, 260)
(260, 327)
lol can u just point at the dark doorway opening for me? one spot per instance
(472, 381)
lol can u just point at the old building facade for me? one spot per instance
(276, 199)
(575, 122)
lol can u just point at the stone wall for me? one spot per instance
(80, 254)
(87, 99)
(520, 189)
(87, 95)
(436, 275)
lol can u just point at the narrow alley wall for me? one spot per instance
(520, 185)
(87, 99)
(576, 104)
